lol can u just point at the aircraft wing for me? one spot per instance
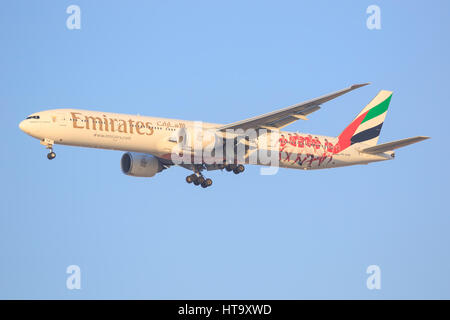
(393, 145)
(278, 119)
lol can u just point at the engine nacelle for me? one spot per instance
(140, 164)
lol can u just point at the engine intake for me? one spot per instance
(140, 164)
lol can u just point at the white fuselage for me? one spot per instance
(154, 136)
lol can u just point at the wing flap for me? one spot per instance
(393, 145)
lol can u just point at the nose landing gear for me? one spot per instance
(49, 145)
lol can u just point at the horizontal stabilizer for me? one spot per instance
(393, 145)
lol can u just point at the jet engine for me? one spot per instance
(140, 164)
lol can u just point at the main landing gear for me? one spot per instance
(199, 180)
(235, 168)
(49, 145)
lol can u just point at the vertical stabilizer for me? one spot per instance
(366, 127)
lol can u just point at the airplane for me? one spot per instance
(153, 144)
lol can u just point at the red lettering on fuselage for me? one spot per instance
(311, 147)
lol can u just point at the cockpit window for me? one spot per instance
(33, 117)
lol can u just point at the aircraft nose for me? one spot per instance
(23, 126)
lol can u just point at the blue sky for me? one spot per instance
(293, 235)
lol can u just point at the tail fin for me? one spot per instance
(366, 127)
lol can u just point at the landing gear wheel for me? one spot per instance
(196, 182)
(204, 184)
(51, 155)
(228, 168)
(191, 178)
(238, 169)
(208, 182)
(201, 180)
